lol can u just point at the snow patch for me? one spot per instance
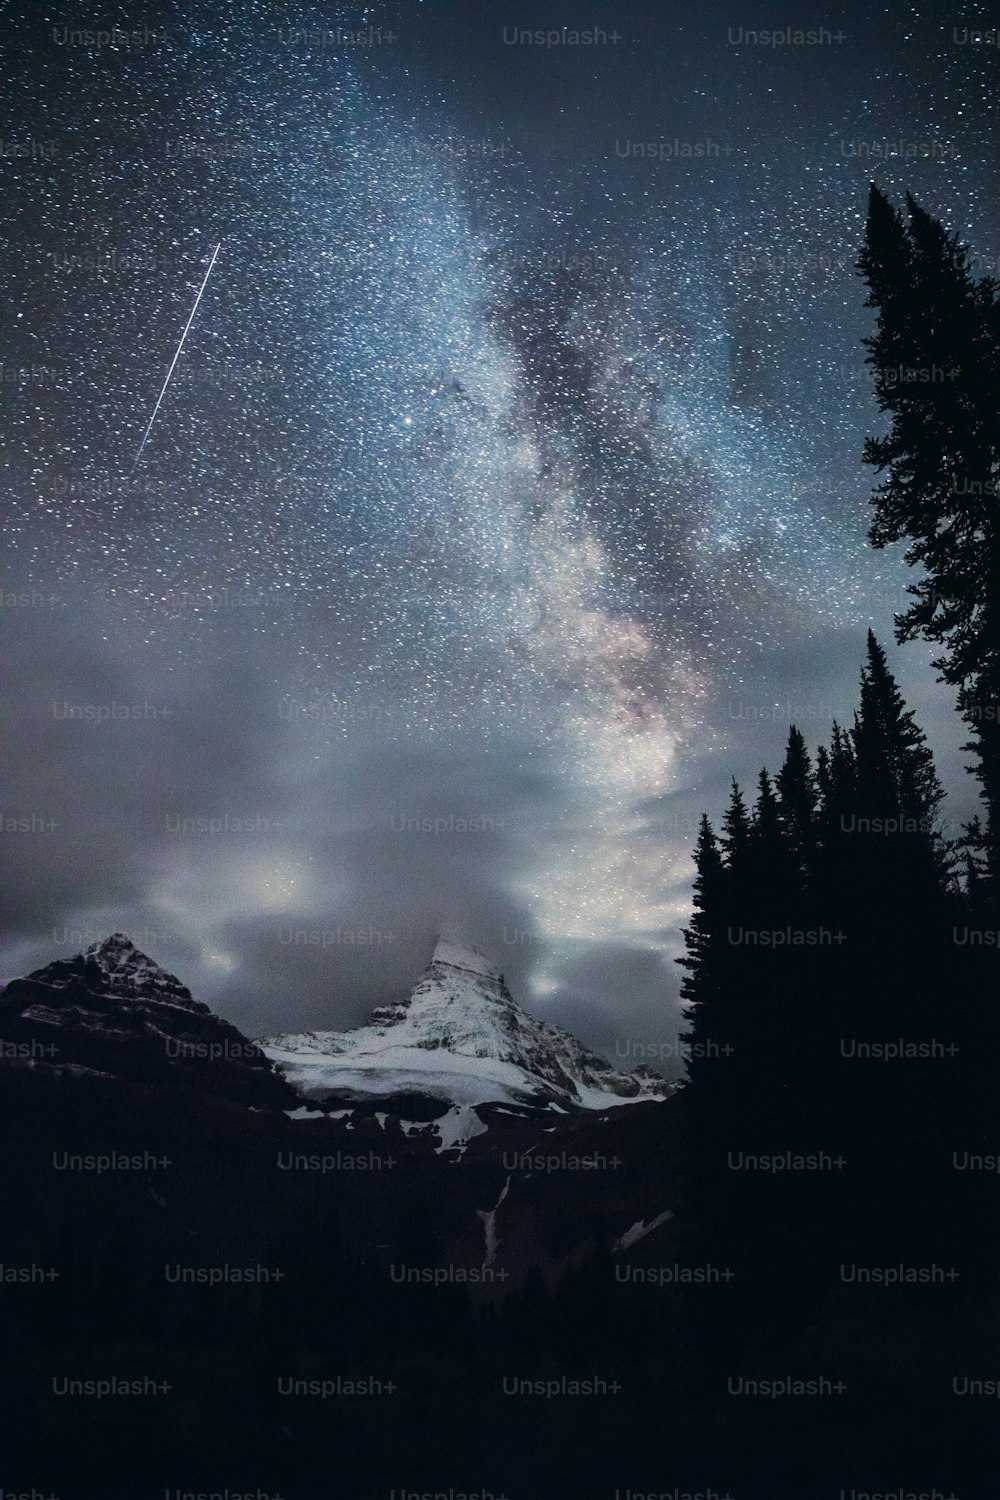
(640, 1229)
(458, 1127)
(488, 1216)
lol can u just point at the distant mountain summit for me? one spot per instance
(117, 967)
(112, 1012)
(506, 1135)
(458, 1052)
(461, 1039)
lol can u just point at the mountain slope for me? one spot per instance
(459, 1038)
(112, 1012)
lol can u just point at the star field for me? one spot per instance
(505, 467)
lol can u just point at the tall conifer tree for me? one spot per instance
(936, 360)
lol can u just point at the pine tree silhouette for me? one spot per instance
(936, 361)
(797, 793)
(736, 828)
(896, 798)
(701, 937)
(842, 866)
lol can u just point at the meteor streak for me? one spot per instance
(180, 346)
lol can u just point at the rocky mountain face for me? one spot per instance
(109, 1046)
(461, 1041)
(191, 1219)
(113, 1012)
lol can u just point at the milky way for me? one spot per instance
(509, 473)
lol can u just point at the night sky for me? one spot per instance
(509, 476)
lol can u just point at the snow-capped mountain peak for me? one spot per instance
(457, 955)
(459, 1037)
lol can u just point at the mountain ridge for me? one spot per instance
(459, 1037)
(455, 1058)
(112, 1011)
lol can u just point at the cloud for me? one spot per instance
(624, 999)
